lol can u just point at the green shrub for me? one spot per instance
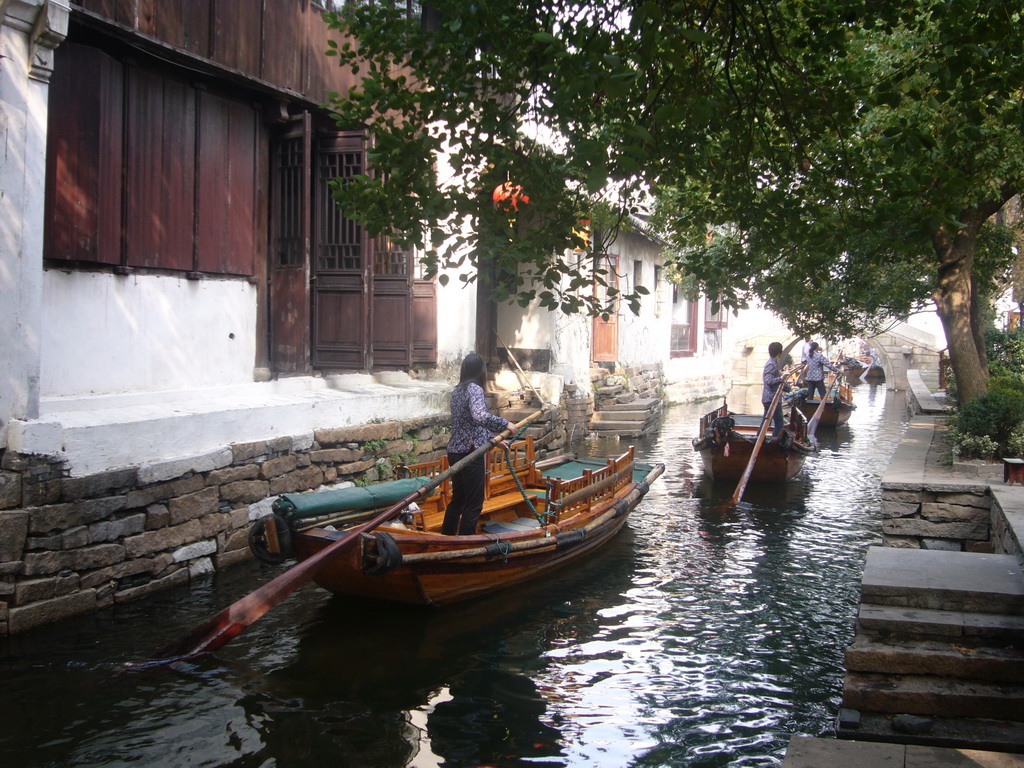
(1006, 383)
(967, 446)
(1014, 447)
(996, 414)
(1005, 352)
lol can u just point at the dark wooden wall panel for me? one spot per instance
(322, 73)
(84, 148)
(282, 57)
(238, 34)
(160, 172)
(424, 322)
(121, 11)
(184, 24)
(227, 186)
(282, 42)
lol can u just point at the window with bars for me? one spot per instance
(715, 320)
(339, 238)
(389, 258)
(289, 160)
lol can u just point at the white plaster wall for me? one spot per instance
(456, 324)
(22, 179)
(643, 338)
(105, 333)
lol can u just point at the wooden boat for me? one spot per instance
(538, 515)
(855, 370)
(726, 441)
(838, 403)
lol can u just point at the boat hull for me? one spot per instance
(433, 569)
(444, 582)
(773, 465)
(834, 414)
(726, 443)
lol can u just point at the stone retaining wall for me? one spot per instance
(69, 545)
(931, 517)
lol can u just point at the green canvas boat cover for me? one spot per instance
(570, 470)
(297, 506)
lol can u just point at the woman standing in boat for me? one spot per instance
(472, 426)
(814, 376)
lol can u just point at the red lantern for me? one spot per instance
(508, 197)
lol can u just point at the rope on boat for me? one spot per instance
(542, 519)
(499, 547)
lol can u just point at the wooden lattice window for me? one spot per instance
(388, 258)
(340, 239)
(289, 160)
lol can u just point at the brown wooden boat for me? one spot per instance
(538, 515)
(838, 403)
(856, 374)
(726, 442)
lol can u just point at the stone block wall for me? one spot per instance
(933, 517)
(69, 545)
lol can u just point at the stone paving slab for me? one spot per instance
(920, 622)
(920, 462)
(941, 580)
(809, 752)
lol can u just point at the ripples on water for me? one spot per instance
(700, 636)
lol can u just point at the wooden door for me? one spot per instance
(341, 262)
(392, 306)
(290, 246)
(605, 346)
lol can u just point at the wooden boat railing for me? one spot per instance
(567, 498)
(501, 471)
(561, 540)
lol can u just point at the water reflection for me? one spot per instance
(700, 636)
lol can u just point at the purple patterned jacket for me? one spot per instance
(472, 424)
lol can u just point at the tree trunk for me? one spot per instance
(979, 320)
(953, 302)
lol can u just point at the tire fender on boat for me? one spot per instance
(387, 557)
(260, 547)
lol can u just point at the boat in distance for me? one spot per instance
(726, 441)
(838, 403)
(538, 515)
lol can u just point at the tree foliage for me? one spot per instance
(835, 158)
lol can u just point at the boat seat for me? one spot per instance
(511, 526)
(507, 500)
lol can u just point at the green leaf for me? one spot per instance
(695, 35)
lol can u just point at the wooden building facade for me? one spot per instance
(188, 138)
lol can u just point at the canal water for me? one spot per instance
(700, 636)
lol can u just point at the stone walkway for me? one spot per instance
(807, 752)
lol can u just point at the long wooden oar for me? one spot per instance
(760, 439)
(812, 425)
(230, 622)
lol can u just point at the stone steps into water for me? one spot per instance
(812, 752)
(635, 418)
(938, 657)
(943, 581)
(930, 695)
(955, 626)
(931, 657)
(640, 404)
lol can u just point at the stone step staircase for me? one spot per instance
(627, 403)
(632, 418)
(938, 655)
